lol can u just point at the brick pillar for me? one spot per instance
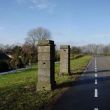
(46, 74)
(64, 59)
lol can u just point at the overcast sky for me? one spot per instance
(77, 22)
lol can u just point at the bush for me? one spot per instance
(78, 56)
(4, 66)
(57, 56)
(16, 63)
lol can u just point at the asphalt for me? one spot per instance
(91, 91)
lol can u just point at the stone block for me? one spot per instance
(46, 74)
(64, 59)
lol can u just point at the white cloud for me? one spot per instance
(46, 5)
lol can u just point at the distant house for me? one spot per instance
(4, 57)
(4, 62)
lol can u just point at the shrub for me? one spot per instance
(4, 66)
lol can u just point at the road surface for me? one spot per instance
(91, 91)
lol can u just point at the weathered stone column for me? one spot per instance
(64, 59)
(46, 74)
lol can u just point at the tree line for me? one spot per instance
(96, 49)
(24, 55)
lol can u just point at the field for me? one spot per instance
(18, 90)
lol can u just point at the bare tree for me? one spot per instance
(34, 36)
(37, 34)
(98, 49)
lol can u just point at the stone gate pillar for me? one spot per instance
(64, 59)
(46, 74)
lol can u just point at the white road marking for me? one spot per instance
(95, 65)
(96, 93)
(96, 82)
(96, 90)
(96, 75)
(96, 109)
(95, 70)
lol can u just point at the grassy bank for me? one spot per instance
(77, 67)
(18, 91)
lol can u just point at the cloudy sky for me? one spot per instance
(77, 22)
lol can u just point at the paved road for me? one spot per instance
(91, 91)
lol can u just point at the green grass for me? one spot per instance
(18, 78)
(77, 67)
(18, 91)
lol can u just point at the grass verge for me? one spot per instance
(18, 91)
